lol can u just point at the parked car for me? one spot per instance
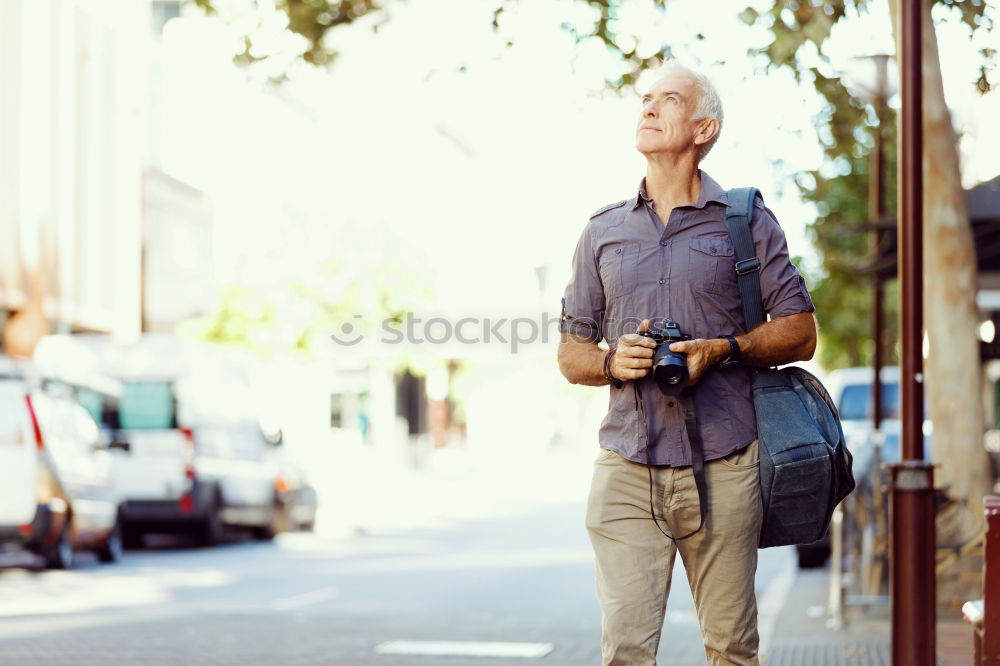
(296, 497)
(56, 487)
(235, 459)
(187, 452)
(851, 388)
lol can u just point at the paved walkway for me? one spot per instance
(802, 637)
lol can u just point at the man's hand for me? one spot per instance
(775, 342)
(701, 355)
(633, 357)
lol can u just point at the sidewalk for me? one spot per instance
(803, 639)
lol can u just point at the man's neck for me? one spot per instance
(672, 185)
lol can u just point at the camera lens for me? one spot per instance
(672, 370)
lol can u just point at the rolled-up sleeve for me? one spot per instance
(782, 287)
(583, 302)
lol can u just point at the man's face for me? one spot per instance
(665, 124)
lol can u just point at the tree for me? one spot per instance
(841, 235)
(312, 20)
(344, 299)
(316, 22)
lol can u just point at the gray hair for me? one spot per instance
(709, 102)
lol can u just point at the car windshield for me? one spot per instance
(856, 402)
(92, 402)
(147, 406)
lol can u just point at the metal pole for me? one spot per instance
(911, 563)
(990, 646)
(911, 260)
(911, 504)
(836, 592)
(871, 570)
(876, 206)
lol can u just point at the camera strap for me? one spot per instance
(697, 458)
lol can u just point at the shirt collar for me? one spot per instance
(710, 191)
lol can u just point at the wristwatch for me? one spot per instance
(733, 357)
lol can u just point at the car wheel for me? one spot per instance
(113, 547)
(813, 556)
(263, 533)
(211, 530)
(60, 554)
(132, 537)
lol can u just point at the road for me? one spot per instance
(521, 582)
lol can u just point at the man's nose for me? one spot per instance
(649, 109)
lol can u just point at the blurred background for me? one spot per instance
(238, 236)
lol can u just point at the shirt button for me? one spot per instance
(618, 250)
(662, 281)
(663, 243)
(670, 403)
(713, 250)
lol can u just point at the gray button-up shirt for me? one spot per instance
(628, 266)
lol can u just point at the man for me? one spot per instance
(666, 254)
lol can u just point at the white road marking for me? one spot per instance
(473, 560)
(816, 611)
(304, 599)
(465, 649)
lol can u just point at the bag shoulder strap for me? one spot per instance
(747, 264)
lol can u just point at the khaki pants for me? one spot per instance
(635, 561)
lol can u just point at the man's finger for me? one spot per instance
(643, 326)
(632, 373)
(636, 362)
(635, 351)
(635, 339)
(679, 346)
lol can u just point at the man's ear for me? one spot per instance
(707, 129)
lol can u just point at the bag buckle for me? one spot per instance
(746, 266)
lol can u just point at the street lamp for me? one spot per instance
(870, 76)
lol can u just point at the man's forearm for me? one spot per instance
(782, 340)
(581, 361)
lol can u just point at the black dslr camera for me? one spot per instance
(670, 369)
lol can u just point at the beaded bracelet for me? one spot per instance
(614, 381)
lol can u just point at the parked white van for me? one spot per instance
(188, 453)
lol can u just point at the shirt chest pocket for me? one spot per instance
(711, 264)
(618, 267)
